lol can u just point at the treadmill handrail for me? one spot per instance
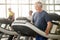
(5, 31)
(40, 32)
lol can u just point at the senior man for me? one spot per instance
(41, 20)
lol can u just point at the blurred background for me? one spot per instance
(22, 7)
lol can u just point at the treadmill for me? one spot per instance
(3, 29)
(24, 28)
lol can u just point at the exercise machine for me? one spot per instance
(24, 28)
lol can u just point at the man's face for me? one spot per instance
(37, 7)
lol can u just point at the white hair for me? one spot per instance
(39, 3)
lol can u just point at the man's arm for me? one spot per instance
(49, 25)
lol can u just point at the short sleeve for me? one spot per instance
(47, 17)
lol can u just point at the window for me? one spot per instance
(57, 1)
(2, 1)
(22, 7)
(20, 2)
(33, 1)
(25, 10)
(50, 7)
(25, 1)
(47, 1)
(51, 1)
(50, 11)
(33, 9)
(57, 7)
(8, 1)
(14, 1)
(2, 11)
(20, 10)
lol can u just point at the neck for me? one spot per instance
(39, 10)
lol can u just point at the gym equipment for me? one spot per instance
(54, 16)
(25, 28)
(4, 30)
(6, 21)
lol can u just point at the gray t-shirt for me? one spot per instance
(40, 19)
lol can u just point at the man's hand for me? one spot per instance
(47, 32)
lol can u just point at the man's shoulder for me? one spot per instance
(45, 12)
